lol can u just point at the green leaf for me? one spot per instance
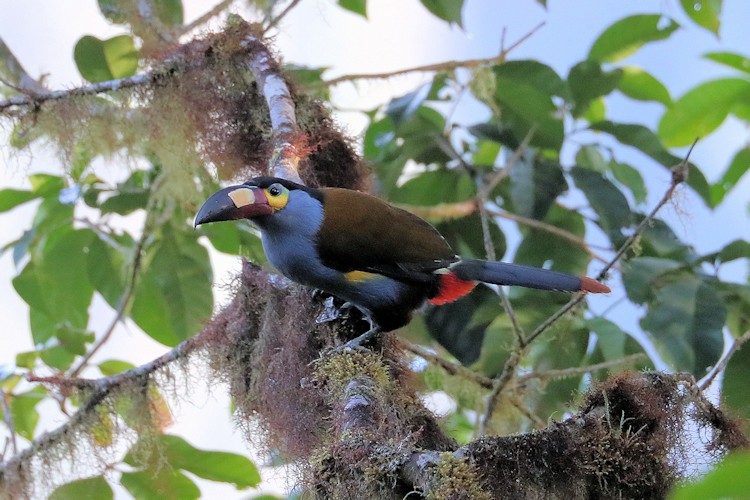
(642, 274)
(734, 390)
(106, 267)
(11, 198)
(159, 484)
(738, 167)
(55, 283)
(540, 248)
(587, 81)
(611, 338)
(91, 487)
(685, 322)
(235, 239)
(702, 110)
(173, 296)
(402, 109)
(737, 249)
(356, 6)
(435, 187)
(213, 465)
(169, 12)
(645, 140)
(114, 10)
(705, 13)
(626, 36)
(23, 409)
(101, 60)
(728, 480)
(535, 184)
(114, 366)
(631, 178)
(730, 59)
(524, 93)
(607, 201)
(640, 85)
(448, 10)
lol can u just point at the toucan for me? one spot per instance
(384, 260)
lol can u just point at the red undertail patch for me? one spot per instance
(451, 288)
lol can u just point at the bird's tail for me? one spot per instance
(503, 273)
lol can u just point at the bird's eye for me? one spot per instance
(274, 190)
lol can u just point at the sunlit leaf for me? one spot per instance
(448, 10)
(705, 13)
(730, 59)
(627, 35)
(729, 480)
(159, 484)
(738, 167)
(25, 415)
(587, 81)
(640, 85)
(356, 6)
(91, 487)
(11, 198)
(214, 465)
(55, 283)
(114, 366)
(701, 110)
(101, 60)
(523, 93)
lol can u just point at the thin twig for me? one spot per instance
(543, 226)
(489, 248)
(8, 417)
(503, 173)
(438, 67)
(526, 412)
(102, 388)
(276, 20)
(271, 84)
(215, 11)
(456, 369)
(706, 381)
(123, 303)
(679, 175)
(500, 383)
(580, 370)
(95, 88)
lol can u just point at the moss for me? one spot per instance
(336, 371)
(456, 479)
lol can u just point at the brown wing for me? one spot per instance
(362, 232)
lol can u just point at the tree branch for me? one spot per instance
(724, 361)
(288, 140)
(443, 66)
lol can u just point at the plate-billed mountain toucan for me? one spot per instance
(384, 260)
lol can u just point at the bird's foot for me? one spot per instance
(329, 313)
(355, 344)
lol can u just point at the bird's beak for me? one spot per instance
(234, 202)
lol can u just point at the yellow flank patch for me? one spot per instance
(359, 276)
(242, 197)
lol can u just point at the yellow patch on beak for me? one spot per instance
(242, 197)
